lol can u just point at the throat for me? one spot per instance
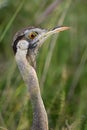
(21, 53)
(31, 57)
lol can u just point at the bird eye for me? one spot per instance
(32, 35)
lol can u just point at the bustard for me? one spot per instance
(25, 46)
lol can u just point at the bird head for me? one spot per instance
(30, 39)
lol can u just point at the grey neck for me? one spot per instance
(40, 121)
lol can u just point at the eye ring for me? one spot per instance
(32, 35)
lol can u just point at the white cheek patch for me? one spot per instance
(23, 44)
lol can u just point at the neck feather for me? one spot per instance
(40, 121)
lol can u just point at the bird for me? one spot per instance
(26, 44)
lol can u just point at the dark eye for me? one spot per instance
(32, 35)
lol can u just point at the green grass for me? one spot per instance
(61, 64)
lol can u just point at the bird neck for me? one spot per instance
(40, 121)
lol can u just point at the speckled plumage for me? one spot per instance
(40, 121)
(25, 49)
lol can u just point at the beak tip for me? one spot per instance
(62, 28)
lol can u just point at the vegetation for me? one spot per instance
(61, 64)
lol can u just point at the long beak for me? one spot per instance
(46, 34)
(56, 30)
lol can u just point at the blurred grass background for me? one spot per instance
(61, 64)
